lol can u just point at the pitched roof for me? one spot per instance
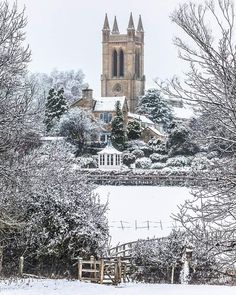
(109, 149)
(140, 118)
(156, 131)
(108, 104)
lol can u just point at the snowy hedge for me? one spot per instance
(158, 158)
(143, 163)
(138, 153)
(179, 161)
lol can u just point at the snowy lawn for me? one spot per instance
(141, 204)
(63, 287)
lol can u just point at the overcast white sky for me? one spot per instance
(66, 34)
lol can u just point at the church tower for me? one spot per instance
(123, 62)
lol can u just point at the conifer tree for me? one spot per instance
(156, 108)
(133, 130)
(56, 106)
(118, 134)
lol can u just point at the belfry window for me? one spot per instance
(121, 63)
(114, 63)
(137, 64)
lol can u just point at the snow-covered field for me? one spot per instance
(144, 210)
(63, 287)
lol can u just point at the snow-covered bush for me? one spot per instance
(158, 165)
(143, 163)
(148, 150)
(160, 148)
(59, 217)
(158, 158)
(179, 161)
(128, 159)
(156, 257)
(138, 153)
(134, 144)
(200, 163)
(88, 162)
(180, 142)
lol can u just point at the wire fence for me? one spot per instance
(139, 225)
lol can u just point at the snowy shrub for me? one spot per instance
(200, 163)
(147, 150)
(60, 218)
(158, 158)
(143, 163)
(155, 258)
(160, 149)
(88, 162)
(138, 153)
(180, 142)
(134, 144)
(158, 165)
(128, 159)
(179, 161)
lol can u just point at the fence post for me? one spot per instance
(80, 265)
(172, 274)
(21, 266)
(1, 259)
(101, 271)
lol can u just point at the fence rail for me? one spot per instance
(135, 178)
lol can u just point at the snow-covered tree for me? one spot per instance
(56, 106)
(78, 126)
(133, 130)
(180, 142)
(118, 133)
(210, 83)
(15, 93)
(71, 81)
(61, 218)
(156, 108)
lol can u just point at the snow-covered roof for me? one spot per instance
(108, 104)
(183, 113)
(109, 149)
(156, 131)
(141, 118)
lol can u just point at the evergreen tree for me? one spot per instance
(156, 108)
(118, 134)
(133, 130)
(55, 107)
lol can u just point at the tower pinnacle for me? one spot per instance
(106, 26)
(131, 22)
(140, 25)
(115, 29)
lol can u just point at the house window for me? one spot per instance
(111, 160)
(104, 137)
(102, 160)
(117, 160)
(108, 160)
(106, 117)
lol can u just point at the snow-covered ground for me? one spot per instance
(63, 287)
(144, 210)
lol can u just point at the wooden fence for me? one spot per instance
(111, 270)
(132, 178)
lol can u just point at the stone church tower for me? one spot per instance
(123, 62)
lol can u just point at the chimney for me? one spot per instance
(87, 93)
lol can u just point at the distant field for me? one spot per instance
(150, 206)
